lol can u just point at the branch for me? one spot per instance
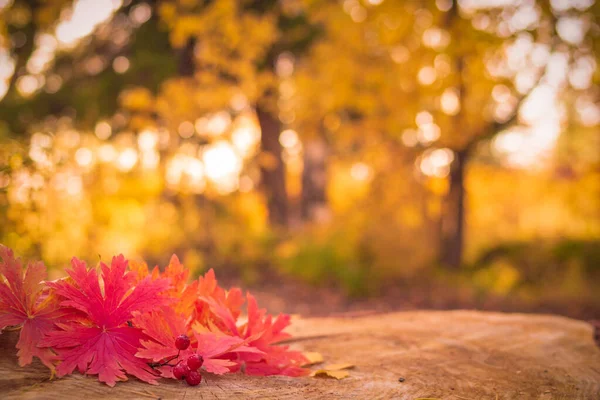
(21, 55)
(495, 127)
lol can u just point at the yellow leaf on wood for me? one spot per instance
(313, 357)
(333, 371)
(330, 374)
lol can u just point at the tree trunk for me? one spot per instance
(453, 213)
(186, 65)
(313, 203)
(273, 169)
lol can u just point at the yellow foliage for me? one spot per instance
(168, 13)
(185, 27)
(137, 99)
(500, 277)
(545, 207)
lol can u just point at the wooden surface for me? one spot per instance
(443, 355)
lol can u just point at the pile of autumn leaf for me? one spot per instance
(124, 320)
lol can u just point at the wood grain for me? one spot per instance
(444, 355)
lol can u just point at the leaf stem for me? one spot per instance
(165, 361)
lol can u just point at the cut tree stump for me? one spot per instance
(410, 355)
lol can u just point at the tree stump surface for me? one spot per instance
(408, 355)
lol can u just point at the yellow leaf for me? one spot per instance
(330, 374)
(313, 357)
(333, 371)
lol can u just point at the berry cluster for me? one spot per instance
(188, 370)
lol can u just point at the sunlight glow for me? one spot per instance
(214, 124)
(103, 130)
(221, 160)
(361, 172)
(429, 133)
(284, 66)
(530, 145)
(43, 54)
(222, 165)
(427, 75)
(147, 140)
(289, 138)
(85, 16)
(150, 159)
(238, 102)
(74, 185)
(436, 162)
(186, 173)
(28, 85)
(245, 136)
(107, 153)
(127, 159)
(186, 129)
(246, 184)
(7, 68)
(84, 157)
(571, 29)
(140, 13)
(450, 102)
(423, 118)
(120, 64)
(587, 111)
(436, 38)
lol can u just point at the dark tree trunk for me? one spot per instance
(453, 213)
(453, 208)
(313, 205)
(273, 170)
(186, 65)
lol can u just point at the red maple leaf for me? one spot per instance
(163, 326)
(215, 306)
(104, 343)
(218, 311)
(177, 275)
(25, 304)
(185, 293)
(263, 332)
(216, 351)
(141, 271)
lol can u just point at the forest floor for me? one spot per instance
(285, 294)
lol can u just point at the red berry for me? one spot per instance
(180, 371)
(195, 361)
(182, 342)
(193, 378)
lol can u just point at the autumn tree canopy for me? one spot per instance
(364, 116)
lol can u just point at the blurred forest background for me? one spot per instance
(333, 154)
